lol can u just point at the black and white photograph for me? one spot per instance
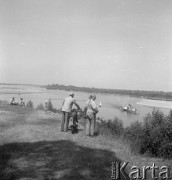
(85, 89)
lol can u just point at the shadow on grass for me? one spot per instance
(60, 160)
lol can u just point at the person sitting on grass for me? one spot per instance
(13, 101)
(22, 103)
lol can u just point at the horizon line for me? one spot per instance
(29, 84)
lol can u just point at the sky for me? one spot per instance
(116, 44)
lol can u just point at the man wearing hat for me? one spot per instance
(66, 109)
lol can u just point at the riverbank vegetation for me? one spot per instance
(153, 136)
(136, 93)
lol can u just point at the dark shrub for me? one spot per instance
(135, 134)
(29, 104)
(50, 106)
(169, 117)
(114, 127)
(40, 107)
(153, 136)
(156, 119)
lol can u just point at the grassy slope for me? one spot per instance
(32, 147)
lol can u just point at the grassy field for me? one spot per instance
(32, 147)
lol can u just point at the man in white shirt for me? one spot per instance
(66, 109)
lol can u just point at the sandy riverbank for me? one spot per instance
(156, 103)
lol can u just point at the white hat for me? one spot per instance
(71, 93)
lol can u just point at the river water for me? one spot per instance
(110, 103)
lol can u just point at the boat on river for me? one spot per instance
(129, 108)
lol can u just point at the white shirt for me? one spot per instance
(67, 105)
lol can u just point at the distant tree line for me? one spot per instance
(136, 93)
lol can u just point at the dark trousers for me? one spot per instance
(65, 121)
(75, 120)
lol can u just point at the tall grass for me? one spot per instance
(111, 127)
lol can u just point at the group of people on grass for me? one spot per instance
(90, 110)
(13, 101)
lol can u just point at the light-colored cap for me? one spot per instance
(71, 93)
